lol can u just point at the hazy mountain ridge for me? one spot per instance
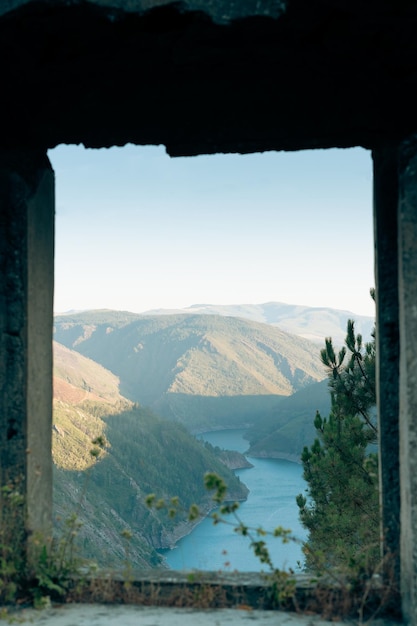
(313, 323)
(146, 454)
(207, 371)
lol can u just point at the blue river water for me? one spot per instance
(273, 485)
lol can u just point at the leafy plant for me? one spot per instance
(12, 540)
(51, 565)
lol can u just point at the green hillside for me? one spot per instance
(71, 367)
(204, 370)
(146, 454)
(84, 391)
(284, 431)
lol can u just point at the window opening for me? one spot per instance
(223, 235)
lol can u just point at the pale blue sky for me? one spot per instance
(137, 230)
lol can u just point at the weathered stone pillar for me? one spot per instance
(26, 317)
(388, 347)
(407, 290)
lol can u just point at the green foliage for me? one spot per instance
(34, 569)
(161, 456)
(286, 428)
(57, 564)
(352, 380)
(12, 540)
(341, 510)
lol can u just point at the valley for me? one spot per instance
(144, 454)
(205, 371)
(273, 485)
(149, 384)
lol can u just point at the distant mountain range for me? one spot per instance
(314, 323)
(207, 371)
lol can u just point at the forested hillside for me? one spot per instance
(145, 454)
(284, 431)
(206, 371)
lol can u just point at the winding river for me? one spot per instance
(273, 485)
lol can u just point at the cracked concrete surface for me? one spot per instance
(117, 615)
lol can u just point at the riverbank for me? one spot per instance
(274, 484)
(293, 458)
(245, 450)
(233, 459)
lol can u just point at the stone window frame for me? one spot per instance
(27, 212)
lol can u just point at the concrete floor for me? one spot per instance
(122, 615)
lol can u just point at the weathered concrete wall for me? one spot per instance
(407, 239)
(26, 304)
(387, 346)
(204, 77)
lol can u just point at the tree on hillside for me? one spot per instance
(341, 510)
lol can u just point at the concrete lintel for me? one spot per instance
(26, 318)
(407, 290)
